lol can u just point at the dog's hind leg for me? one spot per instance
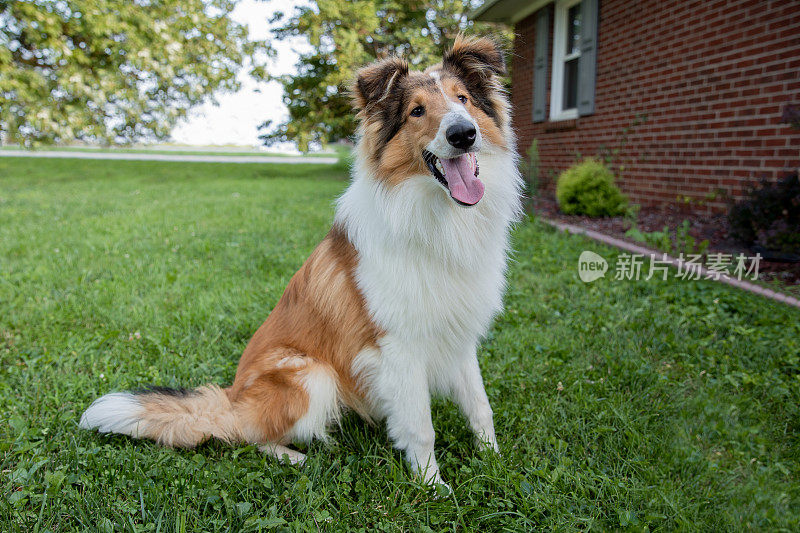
(295, 399)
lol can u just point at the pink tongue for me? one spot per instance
(464, 186)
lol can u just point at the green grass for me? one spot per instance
(160, 151)
(618, 405)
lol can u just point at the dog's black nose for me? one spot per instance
(461, 135)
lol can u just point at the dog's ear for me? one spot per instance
(473, 58)
(479, 63)
(374, 82)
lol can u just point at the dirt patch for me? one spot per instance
(714, 228)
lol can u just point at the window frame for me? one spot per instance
(560, 57)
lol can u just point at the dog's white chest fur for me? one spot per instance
(432, 273)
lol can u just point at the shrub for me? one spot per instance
(770, 216)
(588, 189)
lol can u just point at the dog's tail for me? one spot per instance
(173, 417)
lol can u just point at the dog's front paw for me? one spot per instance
(433, 479)
(489, 445)
(442, 489)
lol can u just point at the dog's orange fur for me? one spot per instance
(321, 322)
(174, 421)
(453, 87)
(320, 319)
(394, 164)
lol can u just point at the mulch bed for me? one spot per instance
(714, 228)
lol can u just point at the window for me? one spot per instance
(566, 59)
(571, 79)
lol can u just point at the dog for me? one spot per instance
(391, 305)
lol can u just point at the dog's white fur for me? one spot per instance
(433, 276)
(118, 412)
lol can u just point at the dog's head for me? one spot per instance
(435, 122)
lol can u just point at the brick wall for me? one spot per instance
(712, 79)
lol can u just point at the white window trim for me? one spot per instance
(559, 57)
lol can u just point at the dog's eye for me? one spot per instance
(418, 111)
(462, 98)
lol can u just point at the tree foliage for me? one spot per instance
(347, 34)
(113, 70)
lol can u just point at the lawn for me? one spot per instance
(221, 151)
(618, 404)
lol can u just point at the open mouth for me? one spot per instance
(458, 175)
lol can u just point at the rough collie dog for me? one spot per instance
(391, 305)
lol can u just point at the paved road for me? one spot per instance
(172, 157)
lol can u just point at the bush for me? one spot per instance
(588, 189)
(770, 217)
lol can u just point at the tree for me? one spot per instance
(113, 70)
(347, 34)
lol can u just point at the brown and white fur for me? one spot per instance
(391, 305)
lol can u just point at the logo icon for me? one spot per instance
(591, 266)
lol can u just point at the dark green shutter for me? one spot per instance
(587, 64)
(540, 65)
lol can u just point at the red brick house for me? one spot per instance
(699, 85)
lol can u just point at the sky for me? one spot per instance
(235, 119)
